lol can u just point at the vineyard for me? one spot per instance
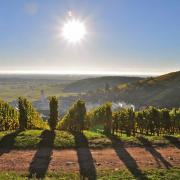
(150, 121)
(88, 141)
(8, 117)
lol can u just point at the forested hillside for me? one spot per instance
(92, 84)
(158, 91)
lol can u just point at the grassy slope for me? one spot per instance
(158, 174)
(159, 91)
(29, 140)
(92, 84)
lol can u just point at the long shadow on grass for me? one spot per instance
(7, 142)
(157, 156)
(173, 140)
(126, 158)
(42, 157)
(85, 159)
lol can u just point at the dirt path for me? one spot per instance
(72, 160)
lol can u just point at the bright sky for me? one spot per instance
(122, 36)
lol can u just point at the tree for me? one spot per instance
(22, 114)
(107, 118)
(81, 113)
(53, 105)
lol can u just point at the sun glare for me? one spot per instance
(74, 30)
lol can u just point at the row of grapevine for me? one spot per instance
(29, 118)
(8, 117)
(149, 121)
(74, 119)
(124, 121)
(101, 116)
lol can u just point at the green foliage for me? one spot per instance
(165, 120)
(175, 120)
(124, 120)
(74, 119)
(53, 105)
(29, 118)
(22, 113)
(148, 121)
(102, 115)
(8, 117)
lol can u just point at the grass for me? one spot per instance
(155, 174)
(29, 139)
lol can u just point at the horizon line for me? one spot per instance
(109, 73)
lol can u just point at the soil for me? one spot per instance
(84, 158)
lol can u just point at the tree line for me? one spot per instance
(149, 121)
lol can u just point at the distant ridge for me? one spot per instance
(91, 84)
(163, 91)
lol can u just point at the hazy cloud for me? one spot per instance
(31, 8)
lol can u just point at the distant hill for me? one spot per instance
(163, 91)
(92, 84)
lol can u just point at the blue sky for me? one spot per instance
(123, 36)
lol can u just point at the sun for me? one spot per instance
(74, 30)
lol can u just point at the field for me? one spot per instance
(13, 86)
(91, 154)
